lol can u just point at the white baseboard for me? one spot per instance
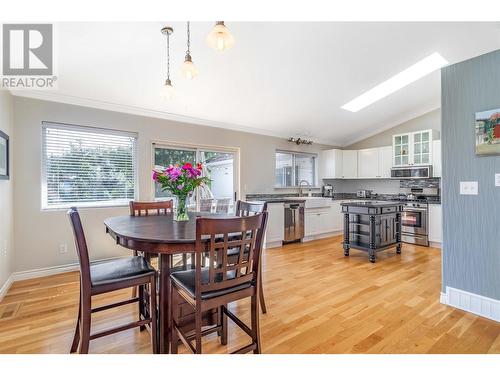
(43, 272)
(470, 302)
(5, 287)
(437, 245)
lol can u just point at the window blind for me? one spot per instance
(85, 166)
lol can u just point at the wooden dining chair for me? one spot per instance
(248, 209)
(147, 209)
(106, 277)
(150, 208)
(222, 281)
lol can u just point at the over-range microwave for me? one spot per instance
(423, 171)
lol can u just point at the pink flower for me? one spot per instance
(180, 187)
(173, 173)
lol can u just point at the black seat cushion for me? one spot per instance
(119, 270)
(186, 279)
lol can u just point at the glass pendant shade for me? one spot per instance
(220, 38)
(188, 70)
(168, 91)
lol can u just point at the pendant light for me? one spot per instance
(168, 90)
(220, 38)
(188, 69)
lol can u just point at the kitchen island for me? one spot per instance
(372, 226)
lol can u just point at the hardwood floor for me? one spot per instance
(318, 302)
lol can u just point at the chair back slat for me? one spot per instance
(223, 271)
(151, 208)
(81, 246)
(249, 208)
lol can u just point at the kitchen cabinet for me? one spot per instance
(375, 162)
(436, 158)
(435, 223)
(414, 148)
(275, 232)
(330, 164)
(349, 163)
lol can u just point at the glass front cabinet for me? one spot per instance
(412, 148)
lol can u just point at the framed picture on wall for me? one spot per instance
(488, 132)
(4, 156)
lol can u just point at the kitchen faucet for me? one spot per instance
(301, 191)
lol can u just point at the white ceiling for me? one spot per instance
(285, 79)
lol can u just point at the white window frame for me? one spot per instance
(294, 153)
(197, 148)
(89, 129)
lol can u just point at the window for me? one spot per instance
(292, 168)
(87, 167)
(219, 164)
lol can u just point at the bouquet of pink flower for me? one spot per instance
(181, 181)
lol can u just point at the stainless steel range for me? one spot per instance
(415, 216)
(415, 223)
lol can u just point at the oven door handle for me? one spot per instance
(415, 209)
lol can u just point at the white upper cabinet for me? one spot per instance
(368, 163)
(384, 161)
(375, 162)
(330, 164)
(349, 163)
(412, 148)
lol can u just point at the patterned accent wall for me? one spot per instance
(471, 223)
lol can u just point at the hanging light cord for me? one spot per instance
(168, 56)
(188, 39)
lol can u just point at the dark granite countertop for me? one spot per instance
(281, 198)
(371, 203)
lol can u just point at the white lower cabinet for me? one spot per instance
(435, 223)
(322, 222)
(275, 232)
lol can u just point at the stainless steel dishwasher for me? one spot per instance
(294, 222)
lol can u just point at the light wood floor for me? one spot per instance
(318, 302)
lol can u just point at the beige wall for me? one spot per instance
(430, 120)
(6, 193)
(39, 233)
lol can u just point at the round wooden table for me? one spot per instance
(158, 234)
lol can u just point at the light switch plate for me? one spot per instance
(497, 179)
(469, 187)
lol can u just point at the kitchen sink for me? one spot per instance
(314, 202)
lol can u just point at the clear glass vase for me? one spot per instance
(181, 211)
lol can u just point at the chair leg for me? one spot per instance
(261, 295)
(134, 289)
(223, 322)
(152, 313)
(255, 323)
(76, 337)
(141, 306)
(85, 322)
(198, 327)
(173, 319)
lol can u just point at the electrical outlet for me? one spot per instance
(497, 179)
(63, 248)
(469, 187)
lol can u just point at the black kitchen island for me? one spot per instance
(372, 226)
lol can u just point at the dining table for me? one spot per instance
(161, 235)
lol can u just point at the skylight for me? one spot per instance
(400, 80)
